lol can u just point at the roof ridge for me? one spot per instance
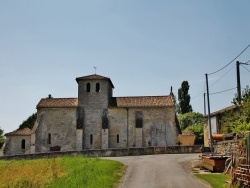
(20, 132)
(143, 96)
(62, 98)
(58, 102)
(142, 101)
(95, 77)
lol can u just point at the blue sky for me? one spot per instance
(144, 46)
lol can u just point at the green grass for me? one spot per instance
(215, 180)
(60, 172)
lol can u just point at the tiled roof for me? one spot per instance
(58, 103)
(144, 101)
(20, 132)
(95, 77)
(222, 110)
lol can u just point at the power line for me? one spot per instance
(212, 85)
(232, 60)
(221, 77)
(204, 92)
(245, 68)
(222, 91)
(192, 98)
(200, 92)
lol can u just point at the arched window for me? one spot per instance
(91, 139)
(117, 138)
(138, 119)
(88, 87)
(23, 144)
(97, 88)
(49, 138)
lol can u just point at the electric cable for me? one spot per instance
(200, 92)
(221, 77)
(245, 68)
(196, 95)
(232, 60)
(222, 91)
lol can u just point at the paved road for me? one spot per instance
(159, 171)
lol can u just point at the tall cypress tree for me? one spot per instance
(184, 99)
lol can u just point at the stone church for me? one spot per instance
(97, 120)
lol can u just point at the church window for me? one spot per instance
(117, 138)
(23, 144)
(97, 89)
(49, 138)
(91, 139)
(138, 119)
(88, 87)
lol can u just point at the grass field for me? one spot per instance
(60, 172)
(215, 180)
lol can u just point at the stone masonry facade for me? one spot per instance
(97, 120)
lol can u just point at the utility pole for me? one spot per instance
(238, 81)
(209, 118)
(205, 104)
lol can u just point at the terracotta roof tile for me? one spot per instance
(95, 77)
(144, 101)
(58, 103)
(20, 132)
(222, 110)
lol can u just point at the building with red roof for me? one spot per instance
(98, 120)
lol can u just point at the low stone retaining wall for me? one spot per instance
(112, 152)
(226, 147)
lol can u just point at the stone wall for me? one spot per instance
(92, 106)
(226, 147)
(61, 124)
(14, 145)
(206, 134)
(159, 127)
(1, 149)
(118, 125)
(113, 152)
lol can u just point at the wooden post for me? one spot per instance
(209, 118)
(238, 81)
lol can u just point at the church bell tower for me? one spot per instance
(94, 93)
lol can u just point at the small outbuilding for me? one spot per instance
(18, 142)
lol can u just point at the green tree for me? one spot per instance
(244, 96)
(184, 99)
(198, 131)
(29, 122)
(189, 119)
(2, 138)
(239, 120)
(192, 122)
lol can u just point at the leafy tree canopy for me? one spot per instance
(29, 122)
(2, 138)
(189, 119)
(192, 122)
(198, 131)
(245, 96)
(184, 99)
(234, 122)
